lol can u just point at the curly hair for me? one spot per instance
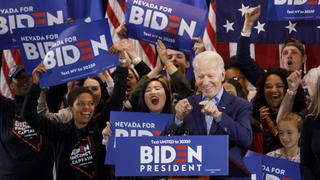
(260, 100)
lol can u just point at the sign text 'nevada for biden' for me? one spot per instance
(169, 21)
(134, 124)
(80, 51)
(284, 10)
(15, 14)
(172, 156)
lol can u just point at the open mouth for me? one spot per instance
(86, 114)
(275, 96)
(290, 62)
(155, 100)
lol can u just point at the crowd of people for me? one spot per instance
(273, 111)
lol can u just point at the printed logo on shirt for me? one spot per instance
(81, 157)
(25, 133)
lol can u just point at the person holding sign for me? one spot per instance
(77, 144)
(25, 154)
(214, 111)
(310, 161)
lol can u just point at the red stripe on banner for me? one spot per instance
(112, 16)
(84, 43)
(41, 21)
(267, 55)
(149, 52)
(312, 3)
(313, 59)
(181, 160)
(39, 14)
(174, 18)
(174, 25)
(172, 31)
(181, 147)
(86, 50)
(89, 56)
(182, 154)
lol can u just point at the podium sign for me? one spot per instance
(124, 124)
(172, 156)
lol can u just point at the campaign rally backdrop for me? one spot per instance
(172, 22)
(134, 124)
(16, 14)
(271, 168)
(283, 10)
(172, 156)
(78, 53)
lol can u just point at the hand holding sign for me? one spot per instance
(106, 133)
(183, 108)
(122, 31)
(162, 51)
(36, 73)
(198, 47)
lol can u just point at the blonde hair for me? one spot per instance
(313, 76)
(292, 117)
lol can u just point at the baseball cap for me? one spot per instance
(15, 71)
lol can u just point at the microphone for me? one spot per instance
(173, 128)
(187, 131)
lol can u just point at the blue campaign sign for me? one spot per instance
(133, 124)
(284, 10)
(16, 14)
(172, 156)
(274, 168)
(169, 21)
(34, 43)
(78, 53)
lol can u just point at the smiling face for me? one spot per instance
(83, 109)
(131, 82)
(274, 91)
(178, 59)
(155, 97)
(289, 134)
(21, 83)
(292, 59)
(94, 87)
(209, 78)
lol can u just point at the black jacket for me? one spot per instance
(79, 153)
(24, 153)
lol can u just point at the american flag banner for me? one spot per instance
(115, 14)
(225, 21)
(10, 58)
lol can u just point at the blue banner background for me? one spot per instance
(158, 120)
(273, 166)
(287, 12)
(214, 158)
(27, 7)
(88, 64)
(173, 41)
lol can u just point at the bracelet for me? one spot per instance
(291, 93)
(136, 60)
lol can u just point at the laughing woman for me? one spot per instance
(77, 146)
(266, 103)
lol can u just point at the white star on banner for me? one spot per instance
(291, 27)
(228, 26)
(260, 27)
(243, 9)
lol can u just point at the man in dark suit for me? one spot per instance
(213, 111)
